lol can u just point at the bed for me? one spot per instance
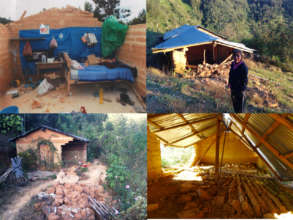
(95, 73)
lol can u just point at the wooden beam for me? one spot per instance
(204, 56)
(255, 150)
(155, 124)
(217, 150)
(193, 134)
(269, 131)
(288, 155)
(182, 125)
(265, 143)
(184, 119)
(282, 120)
(247, 116)
(206, 151)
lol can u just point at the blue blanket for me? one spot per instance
(68, 39)
(102, 73)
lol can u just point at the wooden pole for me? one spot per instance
(217, 150)
(204, 56)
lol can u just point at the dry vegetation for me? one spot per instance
(204, 90)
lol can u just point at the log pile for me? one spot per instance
(209, 71)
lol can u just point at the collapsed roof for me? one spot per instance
(268, 135)
(189, 35)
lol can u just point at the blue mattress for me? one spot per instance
(102, 73)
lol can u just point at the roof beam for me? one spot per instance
(246, 141)
(282, 120)
(288, 155)
(182, 125)
(247, 116)
(264, 142)
(155, 124)
(190, 125)
(193, 134)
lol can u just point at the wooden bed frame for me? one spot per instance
(69, 81)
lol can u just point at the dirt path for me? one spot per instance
(96, 174)
(22, 197)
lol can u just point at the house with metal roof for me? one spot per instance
(241, 165)
(192, 45)
(52, 146)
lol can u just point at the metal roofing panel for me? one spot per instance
(282, 139)
(283, 171)
(260, 122)
(188, 141)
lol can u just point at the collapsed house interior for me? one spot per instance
(53, 147)
(241, 166)
(32, 50)
(188, 46)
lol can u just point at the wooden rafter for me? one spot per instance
(190, 125)
(282, 120)
(155, 124)
(182, 125)
(247, 116)
(288, 155)
(264, 142)
(269, 131)
(217, 150)
(255, 150)
(193, 134)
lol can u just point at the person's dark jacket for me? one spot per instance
(238, 78)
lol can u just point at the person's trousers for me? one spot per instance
(238, 100)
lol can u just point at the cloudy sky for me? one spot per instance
(13, 9)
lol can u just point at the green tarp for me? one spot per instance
(113, 36)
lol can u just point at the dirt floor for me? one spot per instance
(86, 95)
(232, 196)
(23, 203)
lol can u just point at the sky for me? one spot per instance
(13, 9)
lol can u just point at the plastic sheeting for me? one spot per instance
(113, 36)
(68, 39)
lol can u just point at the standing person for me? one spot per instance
(238, 78)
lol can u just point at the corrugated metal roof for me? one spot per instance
(280, 138)
(49, 128)
(189, 35)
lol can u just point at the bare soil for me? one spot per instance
(19, 201)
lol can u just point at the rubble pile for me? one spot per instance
(69, 201)
(233, 195)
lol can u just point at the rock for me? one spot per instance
(59, 190)
(53, 216)
(78, 216)
(59, 200)
(78, 188)
(185, 198)
(37, 206)
(203, 195)
(219, 200)
(153, 207)
(51, 190)
(36, 104)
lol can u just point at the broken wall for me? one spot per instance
(154, 157)
(74, 152)
(133, 53)
(6, 74)
(55, 18)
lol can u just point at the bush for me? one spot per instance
(29, 160)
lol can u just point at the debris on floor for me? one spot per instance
(235, 194)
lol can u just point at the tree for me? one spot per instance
(88, 7)
(105, 8)
(140, 19)
(10, 124)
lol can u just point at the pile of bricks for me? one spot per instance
(70, 201)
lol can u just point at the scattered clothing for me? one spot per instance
(90, 39)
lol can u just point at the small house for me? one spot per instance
(191, 45)
(52, 146)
